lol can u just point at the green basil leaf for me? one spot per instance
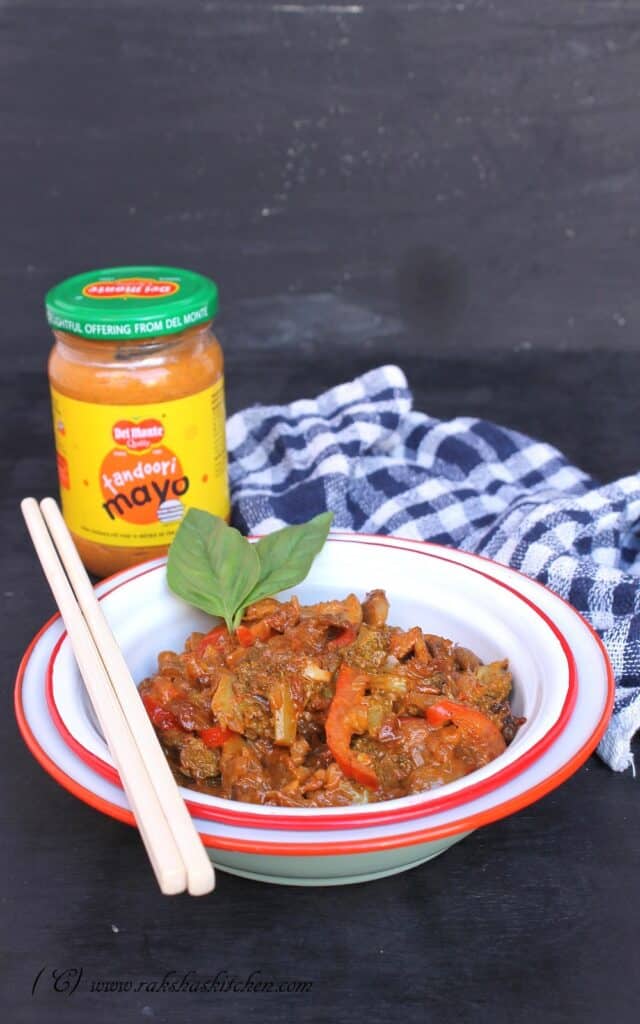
(212, 566)
(286, 555)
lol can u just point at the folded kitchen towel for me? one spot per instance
(362, 451)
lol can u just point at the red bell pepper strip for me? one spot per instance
(347, 636)
(160, 717)
(350, 687)
(439, 714)
(215, 638)
(216, 736)
(473, 725)
(247, 635)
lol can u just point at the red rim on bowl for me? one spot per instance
(380, 813)
(372, 845)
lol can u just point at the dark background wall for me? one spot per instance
(449, 185)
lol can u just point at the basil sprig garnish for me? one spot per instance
(212, 566)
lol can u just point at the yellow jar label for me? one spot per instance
(128, 473)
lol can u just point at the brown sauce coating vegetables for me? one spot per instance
(326, 705)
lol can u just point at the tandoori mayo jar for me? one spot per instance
(137, 391)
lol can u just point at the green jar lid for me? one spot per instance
(127, 303)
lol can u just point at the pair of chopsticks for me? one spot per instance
(177, 855)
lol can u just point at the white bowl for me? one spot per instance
(562, 683)
(425, 588)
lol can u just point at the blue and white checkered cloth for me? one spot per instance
(360, 450)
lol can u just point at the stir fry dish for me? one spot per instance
(326, 705)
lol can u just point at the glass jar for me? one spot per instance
(137, 390)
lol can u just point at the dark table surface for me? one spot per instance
(450, 186)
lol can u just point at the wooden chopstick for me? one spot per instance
(200, 874)
(161, 847)
(174, 848)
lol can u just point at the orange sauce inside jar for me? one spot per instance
(138, 421)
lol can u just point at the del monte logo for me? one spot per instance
(137, 437)
(131, 288)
